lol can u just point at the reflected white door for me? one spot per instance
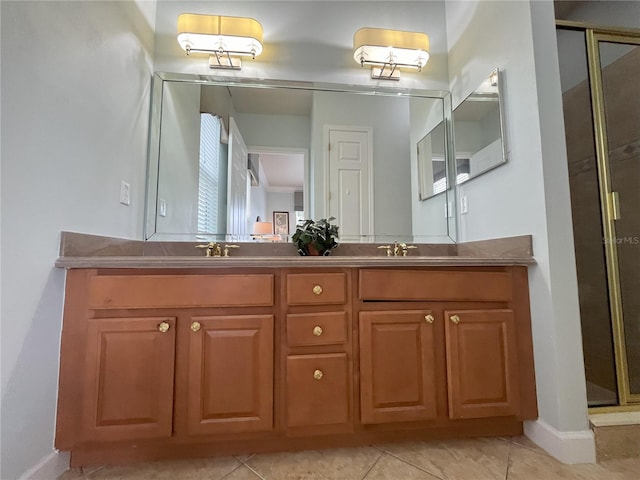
(237, 212)
(351, 181)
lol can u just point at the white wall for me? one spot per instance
(179, 165)
(288, 131)
(529, 195)
(75, 107)
(389, 119)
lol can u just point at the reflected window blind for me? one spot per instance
(209, 173)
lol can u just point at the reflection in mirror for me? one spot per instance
(432, 165)
(478, 131)
(223, 154)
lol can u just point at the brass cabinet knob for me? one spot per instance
(455, 319)
(317, 289)
(163, 327)
(429, 318)
(317, 331)
(317, 374)
(195, 326)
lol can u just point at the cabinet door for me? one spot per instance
(129, 378)
(230, 374)
(397, 366)
(482, 367)
(318, 390)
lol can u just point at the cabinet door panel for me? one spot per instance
(397, 367)
(231, 374)
(129, 378)
(482, 366)
(318, 389)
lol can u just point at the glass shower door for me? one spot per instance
(619, 62)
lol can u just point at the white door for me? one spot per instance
(351, 181)
(237, 213)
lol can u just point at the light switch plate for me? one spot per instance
(125, 193)
(464, 205)
(162, 207)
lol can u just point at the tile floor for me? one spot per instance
(514, 458)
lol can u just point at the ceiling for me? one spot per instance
(282, 171)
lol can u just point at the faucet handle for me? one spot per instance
(226, 249)
(405, 248)
(211, 249)
(387, 248)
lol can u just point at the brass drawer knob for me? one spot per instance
(318, 374)
(455, 319)
(195, 326)
(317, 331)
(163, 327)
(317, 290)
(429, 318)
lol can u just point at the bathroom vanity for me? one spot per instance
(241, 355)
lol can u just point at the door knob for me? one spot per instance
(318, 374)
(317, 331)
(163, 327)
(317, 289)
(429, 318)
(455, 319)
(195, 326)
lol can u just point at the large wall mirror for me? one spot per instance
(229, 157)
(478, 125)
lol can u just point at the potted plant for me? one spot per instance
(316, 237)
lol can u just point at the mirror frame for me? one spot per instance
(153, 159)
(501, 117)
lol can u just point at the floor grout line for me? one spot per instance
(416, 466)
(226, 475)
(506, 473)
(255, 472)
(380, 453)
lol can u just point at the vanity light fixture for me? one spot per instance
(388, 51)
(225, 38)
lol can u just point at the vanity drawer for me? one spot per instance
(318, 390)
(161, 291)
(417, 285)
(316, 288)
(309, 329)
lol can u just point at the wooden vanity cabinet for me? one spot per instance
(473, 331)
(317, 363)
(128, 378)
(190, 362)
(397, 366)
(159, 355)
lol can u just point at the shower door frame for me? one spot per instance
(608, 198)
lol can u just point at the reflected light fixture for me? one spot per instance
(224, 38)
(262, 230)
(388, 51)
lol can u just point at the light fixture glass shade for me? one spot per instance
(377, 46)
(215, 33)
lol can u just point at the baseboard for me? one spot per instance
(568, 447)
(49, 468)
